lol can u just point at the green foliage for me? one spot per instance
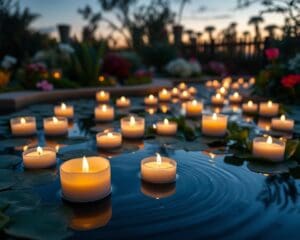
(132, 80)
(184, 129)
(292, 149)
(64, 83)
(240, 136)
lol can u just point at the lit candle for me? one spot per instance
(103, 96)
(217, 99)
(123, 102)
(268, 109)
(208, 84)
(55, 126)
(175, 92)
(185, 96)
(36, 158)
(192, 90)
(193, 108)
(282, 124)
(150, 100)
(85, 179)
(151, 110)
(64, 111)
(164, 95)
(268, 148)
(104, 113)
(222, 91)
(158, 169)
(235, 98)
(250, 107)
(252, 81)
(235, 85)
(214, 125)
(264, 123)
(215, 84)
(23, 126)
(240, 81)
(182, 86)
(166, 127)
(133, 127)
(164, 108)
(109, 140)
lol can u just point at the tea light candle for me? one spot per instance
(133, 127)
(164, 95)
(166, 127)
(268, 148)
(64, 111)
(235, 98)
(252, 81)
(85, 179)
(150, 100)
(158, 169)
(185, 96)
(123, 102)
(268, 109)
(182, 86)
(55, 126)
(23, 126)
(109, 140)
(193, 108)
(103, 96)
(240, 81)
(235, 85)
(214, 125)
(175, 92)
(104, 113)
(35, 158)
(222, 91)
(208, 84)
(215, 84)
(249, 107)
(282, 124)
(192, 90)
(217, 99)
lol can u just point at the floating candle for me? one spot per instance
(55, 126)
(123, 102)
(23, 126)
(182, 86)
(268, 109)
(151, 110)
(268, 148)
(35, 158)
(222, 91)
(185, 96)
(150, 100)
(192, 90)
(217, 99)
(158, 169)
(235, 98)
(282, 124)
(109, 140)
(193, 108)
(214, 125)
(175, 92)
(164, 95)
(208, 84)
(240, 81)
(104, 113)
(64, 111)
(235, 85)
(133, 127)
(85, 179)
(250, 107)
(215, 84)
(166, 127)
(103, 96)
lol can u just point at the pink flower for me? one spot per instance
(272, 53)
(44, 85)
(291, 80)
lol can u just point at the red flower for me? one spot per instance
(272, 53)
(290, 80)
(115, 65)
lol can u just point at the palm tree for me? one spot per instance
(271, 30)
(246, 35)
(210, 30)
(256, 20)
(199, 35)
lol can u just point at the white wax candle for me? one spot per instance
(166, 127)
(268, 109)
(64, 111)
(150, 100)
(158, 169)
(55, 126)
(175, 92)
(133, 127)
(193, 108)
(123, 102)
(164, 95)
(214, 125)
(235, 85)
(36, 158)
(185, 96)
(215, 84)
(282, 124)
(249, 107)
(192, 90)
(222, 91)
(268, 148)
(103, 96)
(182, 86)
(235, 98)
(217, 99)
(85, 179)
(104, 113)
(23, 126)
(109, 140)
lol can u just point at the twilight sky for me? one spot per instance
(217, 12)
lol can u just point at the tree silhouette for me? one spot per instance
(256, 20)
(271, 30)
(210, 30)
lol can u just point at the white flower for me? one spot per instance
(179, 67)
(195, 66)
(40, 56)
(66, 48)
(8, 61)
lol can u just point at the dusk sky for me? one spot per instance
(217, 12)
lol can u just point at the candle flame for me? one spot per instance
(182, 85)
(85, 165)
(164, 108)
(132, 121)
(269, 140)
(222, 90)
(63, 106)
(282, 118)
(236, 95)
(250, 103)
(212, 155)
(164, 91)
(267, 128)
(166, 121)
(57, 148)
(123, 99)
(185, 93)
(109, 134)
(102, 93)
(151, 111)
(25, 148)
(23, 120)
(158, 158)
(154, 126)
(194, 102)
(39, 150)
(270, 103)
(55, 120)
(175, 90)
(104, 108)
(214, 116)
(151, 96)
(218, 95)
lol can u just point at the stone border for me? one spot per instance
(12, 101)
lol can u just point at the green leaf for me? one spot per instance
(292, 149)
